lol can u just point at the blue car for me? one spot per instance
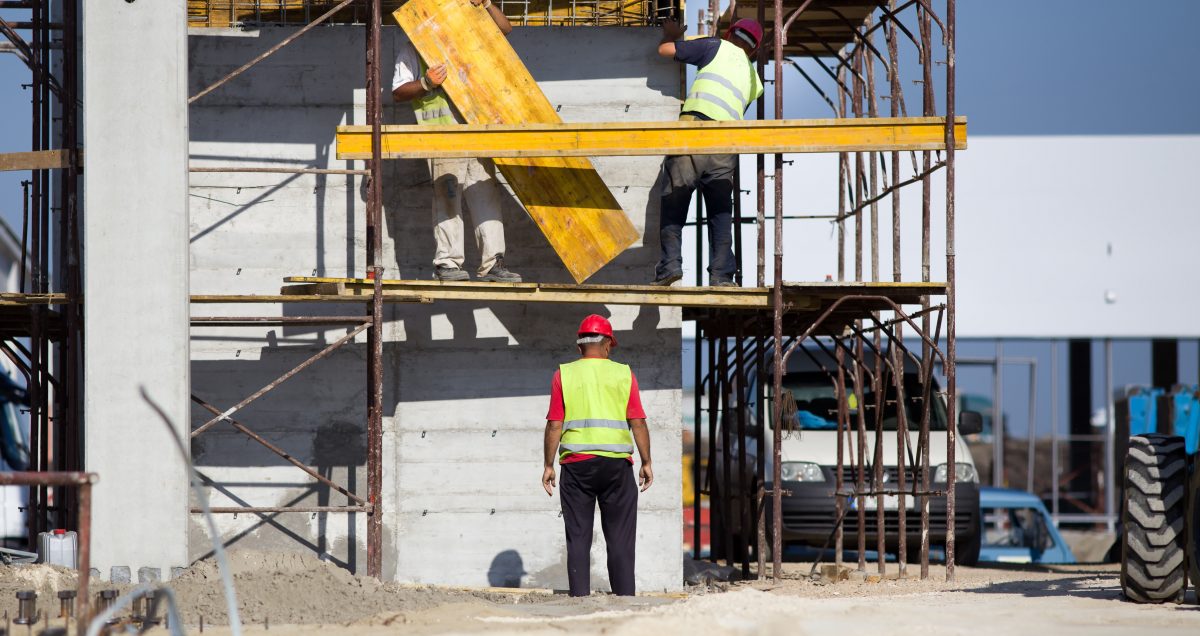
(1017, 528)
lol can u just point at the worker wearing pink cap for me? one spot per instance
(725, 85)
(594, 422)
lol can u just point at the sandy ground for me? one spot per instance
(297, 594)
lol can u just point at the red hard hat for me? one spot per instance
(749, 27)
(597, 325)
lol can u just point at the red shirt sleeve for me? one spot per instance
(558, 411)
(634, 410)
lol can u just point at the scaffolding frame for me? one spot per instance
(853, 326)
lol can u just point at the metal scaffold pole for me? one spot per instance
(951, 344)
(375, 270)
(777, 324)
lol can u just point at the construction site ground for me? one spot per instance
(290, 593)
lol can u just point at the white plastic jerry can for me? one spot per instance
(58, 547)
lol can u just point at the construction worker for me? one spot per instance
(456, 179)
(594, 422)
(725, 85)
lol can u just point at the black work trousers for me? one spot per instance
(609, 481)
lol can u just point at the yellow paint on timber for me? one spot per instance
(654, 138)
(488, 84)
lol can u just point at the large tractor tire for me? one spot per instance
(1153, 553)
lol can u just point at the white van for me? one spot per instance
(809, 464)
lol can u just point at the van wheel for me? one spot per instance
(1153, 565)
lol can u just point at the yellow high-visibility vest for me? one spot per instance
(433, 108)
(596, 396)
(724, 87)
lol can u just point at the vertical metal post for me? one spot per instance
(721, 383)
(760, 421)
(697, 392)
(927, 109)
(375, 333)
(1054, 468)
(84, 506)
(897, 94)
(998, 432)
(710, 468)
(746, 496)
(872, 158)
(1110, 423)
(700, 238)
(843, 426)
(777, 311)
(843, 169)
(901, 456)
(1031, 458)
(760, 163)
(951, 297)
(856, 101)
(880, 388)
(860, 453)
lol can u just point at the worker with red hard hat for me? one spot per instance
(593, 425)
(725, 85)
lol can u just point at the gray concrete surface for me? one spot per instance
(466, 385)
(136, 280)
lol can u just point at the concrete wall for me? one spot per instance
(466, 384)
(136, 280)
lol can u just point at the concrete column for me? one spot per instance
(135, 279)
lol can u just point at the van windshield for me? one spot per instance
(816, 404)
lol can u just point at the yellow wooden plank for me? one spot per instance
(796, 295)
(37, 160)
(654, 138)
(488, 84)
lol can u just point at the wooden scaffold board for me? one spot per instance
(488, 84)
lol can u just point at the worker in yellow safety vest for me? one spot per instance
(456, 179)
(725, 85)
(594, 422)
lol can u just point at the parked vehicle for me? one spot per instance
(1160, 512)
(1017, 528)
(809, 464)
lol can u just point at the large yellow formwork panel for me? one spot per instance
(489, 85)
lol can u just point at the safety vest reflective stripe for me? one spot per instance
(612, 448)
(596, 423)
(716, 101)
(713, 77)
(724, 87)
(596, 396)
(424, 115)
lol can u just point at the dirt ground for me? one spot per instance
(299, 594)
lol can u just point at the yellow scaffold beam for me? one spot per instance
(653, 138)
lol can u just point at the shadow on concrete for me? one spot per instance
(506, 570)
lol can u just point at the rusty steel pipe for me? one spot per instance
(777, 315)
(375, 335)
(951, 341)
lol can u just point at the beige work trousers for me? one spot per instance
(475, 181)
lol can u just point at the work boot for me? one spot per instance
(444, 273)
(498, 274)
(668, 279)
(722, 282)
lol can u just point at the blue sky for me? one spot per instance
(1025, 67)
